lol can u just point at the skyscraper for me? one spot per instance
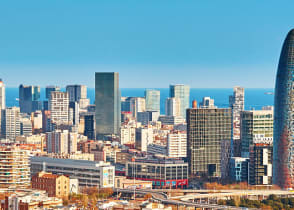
(237, 105)
(283, 164)
(59, 107)
(50, 89)
(208, 141)
(78, 93)
(183, 93)
(173, 107)
(152, 100)
(29, 99)
(10, 123)
(108, 106)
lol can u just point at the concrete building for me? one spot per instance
(26, 127)
(108, 105)
(173, 107)
(256, 127)
(152, 98)
(163, 172)
(29, 97)
(183, 93)
(37, 120)
(50, 89)
(78, 93)
(127, 135)
(206, 130)
(239, 169)
(10, 124)
(171, 120)
(54, 185)
(206, 103)
(260, 166)
(89, 173)
(14, 167)
(148, 116)
(236, 102)
(136, 104)
(144, 136)
(156, 149)
(58, 107)
(177, 145)
(61, 142)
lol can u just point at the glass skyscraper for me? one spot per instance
(29, 99)
(152, 98)
(108, 106)
(283, 165)
(183, 93)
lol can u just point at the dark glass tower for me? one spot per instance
(283, 165)
(107, 101)
(29, 99)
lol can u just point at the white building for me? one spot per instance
(58, 106)
(10, 123)
(144, 136)
(137, 104)
(127, 135)
(26, 126)
(177, 145)
(173, 107)
(61, 142)
(37, 119)
(207, 103)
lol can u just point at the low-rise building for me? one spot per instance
(124, 183)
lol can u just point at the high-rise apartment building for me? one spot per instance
(183, 93)
(256, 127)
(177, 145)
(108, 106)
(173, 107)
(236, 102)
(29, 99)
(59, 107)
(283, 171)
(207, 131)
(152, 98)
(10, 124)
(14, 167)
(61, 142)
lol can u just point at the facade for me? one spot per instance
(59, 107)
(26, 127)
(127, 135)
(2, 102)
(256, 127)
(50, 89)
(156, 149)
(173, 107)
(183, 93)
(10, 124)
(171, 120)
(260, 166)
(149, 116)
(152, 98)
(61, 142)
(74, 113)
(283, 171)
(29, 99)
(177, 145)
(78, 94)
(89, 173)
(54, 185)
(14, 167)
(89, 126)
(236, 102)
(164, 173)
(239, 168)
(206, 103)
(137, 104)
(206, 130)
(144, 136)
(108, 106)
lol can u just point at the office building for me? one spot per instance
(177, 145)
(50, 89)
(54, 185)
(148, 116)
(89, 173)
(163, 172)
(61, 142)
(206, 130)
(260, 166)
(239, 168)
(156, 149)
(236, 102)
(89, 125)
(206, 103)
(74, 112)
(136, 104)
(26, 128)
(171, 120)
(152, 98)
(59, 107)
(183, 93)
(29, 99)
(144, 136)
(256, 127)
(283, 167)
(14, 167)
(108, 106)
(173, 107)
(10, 125)
(78, 93)
(37, 120)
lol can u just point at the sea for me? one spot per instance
(255, 98)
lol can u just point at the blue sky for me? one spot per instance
(151, 43)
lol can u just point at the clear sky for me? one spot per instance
(151, 43)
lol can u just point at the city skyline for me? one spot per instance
(75, 40)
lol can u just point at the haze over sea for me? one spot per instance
(255, 98)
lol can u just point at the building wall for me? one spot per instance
(177, 145)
